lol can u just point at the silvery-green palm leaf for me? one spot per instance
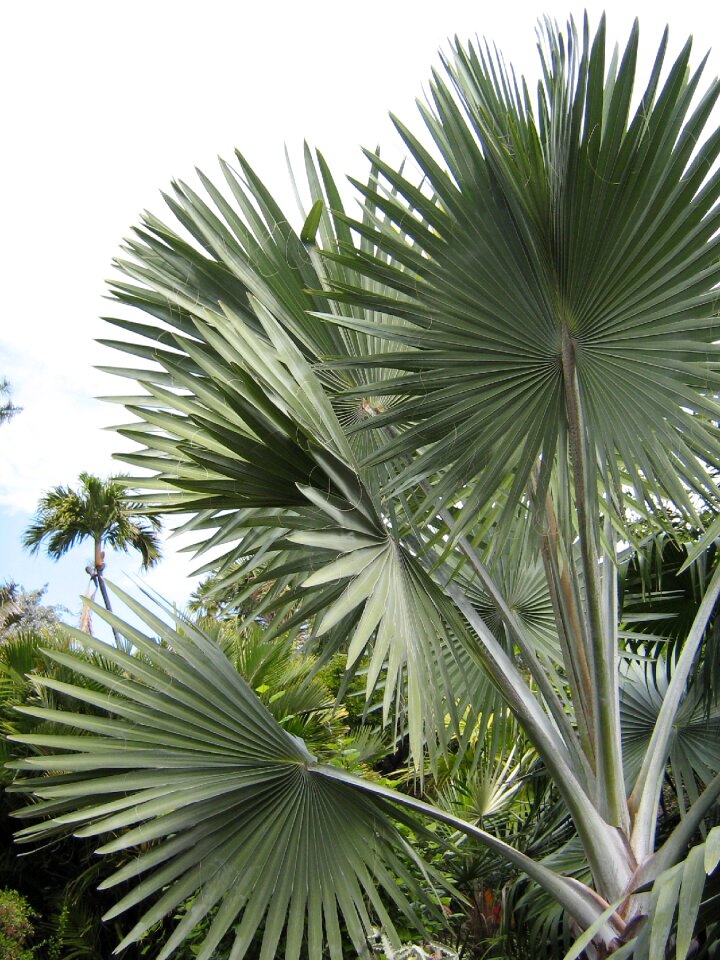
(286, 681)
(695, 742)
(241, 433)
(553, 285)
(246, 249)
(188, 770)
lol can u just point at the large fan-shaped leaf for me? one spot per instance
(557, 268)
(253, 431)
(694, 748)
(192, 774)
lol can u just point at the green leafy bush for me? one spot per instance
(16, 926)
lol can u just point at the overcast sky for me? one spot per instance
(104, 103)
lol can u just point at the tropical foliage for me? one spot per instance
(22, 612)
(60, 882)
(429, 433)
(16, 926)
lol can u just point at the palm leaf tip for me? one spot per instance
(228, 816)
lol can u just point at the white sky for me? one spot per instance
(105, 103)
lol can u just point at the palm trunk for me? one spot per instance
(119, 642)
(99, 567)
(85, 614)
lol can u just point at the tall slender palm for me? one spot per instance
(7, 407)
(429, 429)
(101, 511)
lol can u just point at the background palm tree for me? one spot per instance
(7, 407)
(101, 511)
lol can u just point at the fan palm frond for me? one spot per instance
(192, 773)
(525, 285)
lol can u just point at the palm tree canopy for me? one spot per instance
(99, 510)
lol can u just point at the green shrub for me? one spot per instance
(16, 927)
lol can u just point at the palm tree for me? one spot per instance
(101, 511)
(7, 407)
(430, 429)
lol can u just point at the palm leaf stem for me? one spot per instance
(583, 904)
(606, 852)
(605, 702)
(569, 625)
(524, 643)
(525, 646)
(559, 613)
(503, 671)
(646, 792)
